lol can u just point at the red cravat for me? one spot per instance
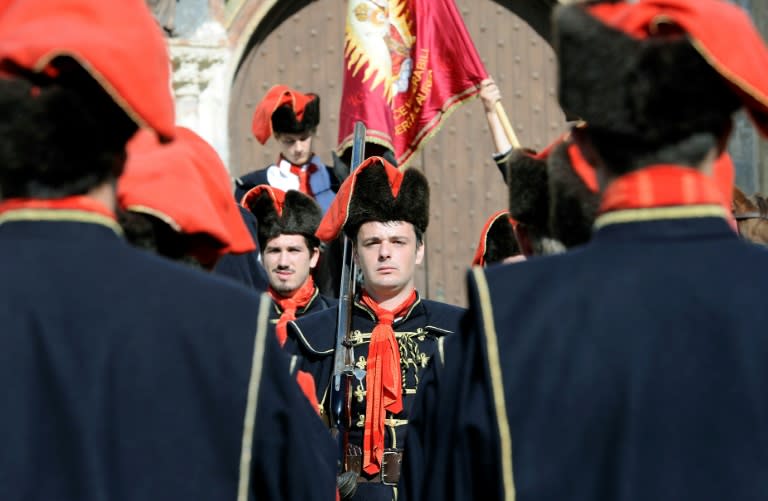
(300, 298)
(304, 175)
(383, 381)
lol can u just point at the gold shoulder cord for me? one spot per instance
(254, 383)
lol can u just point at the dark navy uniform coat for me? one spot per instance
(419, 334)
(318, 302)
(126, 377)
(632, 369)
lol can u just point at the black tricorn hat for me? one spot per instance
(528, 188)
(650, 73)
(377, 191)
(280, 213)
(573, 199)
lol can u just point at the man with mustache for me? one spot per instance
(287, 222)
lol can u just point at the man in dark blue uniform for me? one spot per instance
(289, 252)
(127, 376)
(634, 367)
(394, 332)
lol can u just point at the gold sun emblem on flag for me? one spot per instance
(378, 33)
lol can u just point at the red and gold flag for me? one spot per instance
(407, 65)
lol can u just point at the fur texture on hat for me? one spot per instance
(572, 205)
(637, 92)
(301, 215)
(372, 200)
(528, 188)
(284, 118)
(500, 243)
(548, 195)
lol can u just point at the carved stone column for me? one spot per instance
(199, 83)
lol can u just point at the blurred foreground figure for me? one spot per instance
(128, 377)
(175, 200)
(634, 367)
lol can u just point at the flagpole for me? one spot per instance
(508, 130)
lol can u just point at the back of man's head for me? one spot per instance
(77, 78)
(59, 136)
(652, 79)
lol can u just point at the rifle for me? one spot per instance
(344, 358)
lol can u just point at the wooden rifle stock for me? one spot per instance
(344, 357)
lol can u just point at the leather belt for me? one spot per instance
(390, 465)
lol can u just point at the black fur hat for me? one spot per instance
(648, 91)
(572, 204)
(497, 240)
(372, 200)
(284, 118)
(279, 111)
(528, 188)
(369, 195)
(279, 213)
(500, 242)
(547, 193)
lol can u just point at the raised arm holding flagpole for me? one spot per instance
(408, 65)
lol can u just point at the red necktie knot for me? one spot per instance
(386, 317)
(304, 175)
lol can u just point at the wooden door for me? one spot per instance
(302, 46)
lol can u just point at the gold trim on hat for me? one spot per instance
(729, 75)
(162, 216)
(101, 80)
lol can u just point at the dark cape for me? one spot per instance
(632, 368)
(128, 378)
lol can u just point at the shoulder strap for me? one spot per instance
(257, 363)
(497, 385)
